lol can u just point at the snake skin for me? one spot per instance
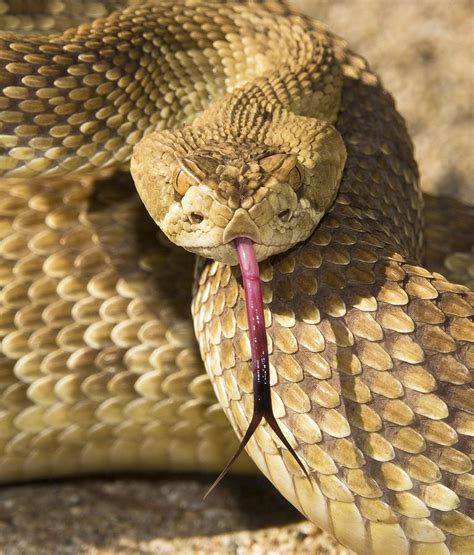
(371, 353)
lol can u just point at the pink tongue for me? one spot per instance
(262, 400)
(254, 302)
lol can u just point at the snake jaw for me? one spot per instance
(262, 400)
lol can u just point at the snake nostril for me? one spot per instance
(285, 215)
(195, 217)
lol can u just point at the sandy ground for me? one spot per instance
(423, 51)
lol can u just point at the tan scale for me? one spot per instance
(371, 354)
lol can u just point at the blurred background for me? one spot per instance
(423, 51)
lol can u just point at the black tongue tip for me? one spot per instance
(256, 419)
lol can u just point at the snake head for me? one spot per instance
(204, 195)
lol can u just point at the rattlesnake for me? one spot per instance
(370, 353)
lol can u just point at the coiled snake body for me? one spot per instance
(370, 353)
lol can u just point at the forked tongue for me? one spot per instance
(262, 401)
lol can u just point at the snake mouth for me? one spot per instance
(227, 253)
(241, 225)
(262, 400)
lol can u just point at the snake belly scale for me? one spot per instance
(371, 354)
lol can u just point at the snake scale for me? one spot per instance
(252, 110)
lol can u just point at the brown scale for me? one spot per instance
(99, 370)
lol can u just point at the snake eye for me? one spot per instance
(192, 172)
(285, 215)
(196, 218)
(183, 181)
(294, 179)
(284, 168)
